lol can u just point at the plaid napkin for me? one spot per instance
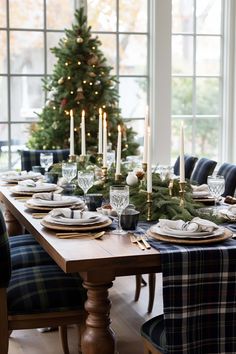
(199, 295)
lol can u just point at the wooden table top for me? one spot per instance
(113, 252)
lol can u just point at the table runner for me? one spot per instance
(199, 297)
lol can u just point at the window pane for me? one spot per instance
(26, 98)
(3, 147)
(207, 96)
(133, 54)
(27, 54)
(208, 16)
(3, 99)
(102, 15)
(136, 12)
(182, 55)
(133, 97)
(138, 126)
(208, 55)
(182, 15)
(59, 18)
(3, 52)
(188, 137)
(20, 135)
(207, 137)
(52, 41)
(3, 13)
(26, 13)
(182, 96)
(108, 48)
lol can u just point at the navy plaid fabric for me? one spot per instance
(30, 158)
(189, 163)
(22, 240)
(203, 169)
(5, 260)
(153, 330)
(199, 295)
(229, 172)
(44, 289)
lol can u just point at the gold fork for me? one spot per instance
(133, 239)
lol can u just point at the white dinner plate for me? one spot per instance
(12, 177)
(91, 219)
(179, 233)
(64, 201)
(42, 187)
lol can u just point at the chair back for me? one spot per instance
(30, 158)
(202, 170)
(229, 172)
(5, 258)
(189, 163)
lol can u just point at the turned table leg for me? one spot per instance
(98, 338)
(13, 226)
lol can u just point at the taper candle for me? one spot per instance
(118, 151)
(104, 140)
(72, 143)
(181, 155)
(83, 141)
(145, 140)
(100, 132)
(149, 160)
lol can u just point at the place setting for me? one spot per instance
(196, 231)
(228, 213)
(50, 200)
(13, 177)
(29, 187)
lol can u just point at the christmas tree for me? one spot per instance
(81, 80)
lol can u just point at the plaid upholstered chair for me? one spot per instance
(35, 296)
(202, 170)
(229, 172)
(30, 158)
(189, 164)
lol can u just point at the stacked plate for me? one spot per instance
(184, 236)
(88, 221)
(29, 190)
(227, 214)
(15, 177)
(64, 201)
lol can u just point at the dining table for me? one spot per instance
(98, 261)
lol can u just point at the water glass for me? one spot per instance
(216, 186)
(85, 181)
(46, 160)
(119, 200)
(69, 171)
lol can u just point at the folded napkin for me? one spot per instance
(201, 188)
(67, 213)
(47, 196)
(27, 183)
(195, 225)
(232, 209)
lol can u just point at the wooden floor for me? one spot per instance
(127, 318)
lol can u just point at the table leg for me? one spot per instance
(98, 338)
(13, 226)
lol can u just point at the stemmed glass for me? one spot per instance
(69, 171)
(46, 160)
(110, 158)
(216, 186)
(119, 200)
(85, 181)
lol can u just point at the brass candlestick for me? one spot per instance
(104, 173)
(82, 158)
(170, 187)
(144, 167)
(149, 206)
(118, 177)
(181, 193)
(72, 158)
(99, 158)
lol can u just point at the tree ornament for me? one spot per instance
(80, 89)
(131, 179)
(79, 96)
(92, 60)
(79, 40)
(63, 103)
(61, 81)
(92, 74)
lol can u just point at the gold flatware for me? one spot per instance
(146, 244)
(38, 215)
(97, 235)
(22, 198)
(133, 239)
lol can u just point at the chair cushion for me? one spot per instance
(229, 172)
(153, 331)
(5, 260)
(203, 169)
(189, 163)
(29, 256)
(22, 240)
(30, 158)
(44, 289)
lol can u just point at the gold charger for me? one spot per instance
(76, 227)
(15, 192)
(48, 208)
(188, 241)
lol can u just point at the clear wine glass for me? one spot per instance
(216, 186)
(119, 200)
(69, 171)
(85, 181)
(110, 158)
(46, 160)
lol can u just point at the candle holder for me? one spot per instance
(72, 158)
(82, 158)
(181, 193)
(99, 158)
(118, 177)
(104, 173)
(149, 206)
(144, 167)
(170, 187)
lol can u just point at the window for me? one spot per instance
(197, 80)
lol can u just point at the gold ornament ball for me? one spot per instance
(61, 81)
(79, 40)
